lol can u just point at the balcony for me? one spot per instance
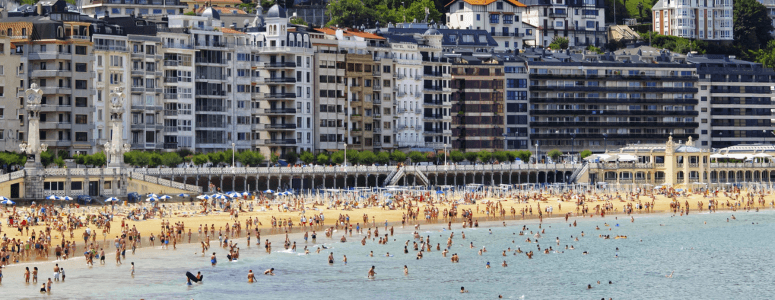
(432, 74)
(277, 126)
(210, 44)
(433, 117)
(55, 125)
(558, 15)
(276, 142)
(280, 65)
(376, 73)
(433, 102)
(170, 96)
(170, 79)
(138, 72)
(280, 80)
(54, 108)
(269, 111)
(170, 145)
(279, 95)
(432, 89)
(377, 88)
(51, 73)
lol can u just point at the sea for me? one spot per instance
(710, 256)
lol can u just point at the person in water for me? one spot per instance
(251, 276)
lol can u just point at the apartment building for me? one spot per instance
(437, 104)
(55, 52)
(735, 101)
(382, 90)
(145, 92)
(477, 102)
(407, 91)
(590, 101)
(516, 97)
(709, 20)
(123, 8)
(111, 58)
(12, 114)
(502, 18)
(283, 57)
(582, 22)
(178, 73)
(330, 101)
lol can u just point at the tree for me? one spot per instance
(353, 157)
(584, 154)
(246, 158)
(484, 156)
(416, 156)
(258, 158)
(367, 157)
(46, 157)
(322, 158)
(337, 157)
(501, 156)
(97, 159)
(141, 159)
(349, 13)
(752, 25)
(298, 21)
(274, 158)
(416, 10)
(383, 158)
(63, 154)
(554, 154)
(190, 13)
(200, 159)
(398, 156)
(640, 9)
(524, 155)
(456, 156)
(59, 162)
(291, 157)
(559, 42)
(307, 157)
(266, 4)
(216, 157)
(155, 160)
(471, 156)
(171, 159)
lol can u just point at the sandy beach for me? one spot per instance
(378, 214)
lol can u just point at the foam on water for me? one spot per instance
(717, 260)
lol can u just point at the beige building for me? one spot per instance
(11, 114)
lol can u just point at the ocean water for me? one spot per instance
(717, 260)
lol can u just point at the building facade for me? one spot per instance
(704, 20)
(502, 18)
(477, 102)
(582, 22)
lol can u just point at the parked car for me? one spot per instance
(83, 199)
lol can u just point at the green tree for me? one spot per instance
(337, 157)
(291, 157)
(353, 157)
(383, 158)
(266, 4)
(584, 154)
(47, 157)
(524, 155)
(298, 21)
(274, 158)
(398, 156)
(97, 159)
(200, 159)
(307, 157)
(640, 9)
(171, 159)
(217, 157)
(155, 160)
(554, 154)
(63, 154)
(501, 156)
(185, 152)
(349, 13)
(416, 156)
(752, 25)
(322, 159)
(258, 158)
(484, 156)
(367, 157)
(559, 42)
(456, 156)
(471, 156)
(416, 10)
(141, 159)
(190, 13)
(59, 162)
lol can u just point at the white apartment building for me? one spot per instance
(502, 18)
(123, 8)
(582, 22)
(111, 58)
(178, 82)
(408, 94)
(694, 19)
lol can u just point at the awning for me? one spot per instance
(507, 13)
(762, 155)
(627, 157)
(495, 13)
(719, 155)
(737, 156)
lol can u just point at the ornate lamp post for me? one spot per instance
(32, 146)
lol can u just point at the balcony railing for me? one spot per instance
(280, 65)
(279, 95)
(280, 111)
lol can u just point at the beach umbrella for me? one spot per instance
(165, 197)
(112, 199)
(152, 196)
(7, 202)
(3, 198)
(151, 200)
(439, 192)
(233, 194)
(66, 198)
(182, 195)
(52, 197)
(269, 191)
(246, 194)
(203, 197)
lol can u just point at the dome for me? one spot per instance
(276, 12)
(431, 31)
(211, 13)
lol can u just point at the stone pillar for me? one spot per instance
(114, 149)
(34, 173)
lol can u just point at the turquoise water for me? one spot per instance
(717, 260)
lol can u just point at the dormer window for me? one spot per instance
(461, 5)
(499, 5)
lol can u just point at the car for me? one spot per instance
(83, 199)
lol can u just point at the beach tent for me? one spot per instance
(52, 197)
(269, 191)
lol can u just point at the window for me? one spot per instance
(81, 119)
(80, 84)
(494, 18)
(81, 102)
(80, 67)
(459, 6)
(81, 137)
(508, 19)
(80, 50)
(478, 17)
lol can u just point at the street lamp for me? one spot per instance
(232, 155)
(445, 154)
(345, 154)
(605, 137)
(572, 143)
(537, 156)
